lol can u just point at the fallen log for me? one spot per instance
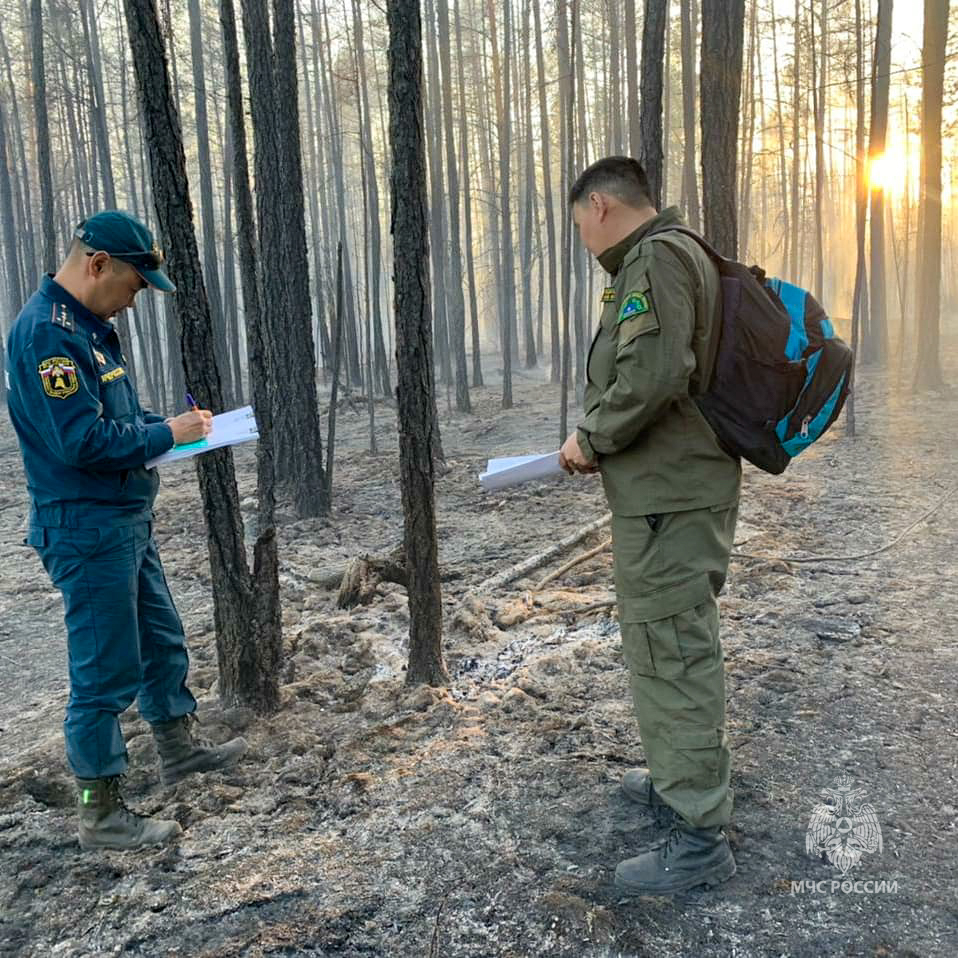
(571, 564)
(540, 559)
(571, 613)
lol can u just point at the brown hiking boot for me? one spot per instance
(181, 754)
(106, 822)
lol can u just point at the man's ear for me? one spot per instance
(98, 263)
(599, 204)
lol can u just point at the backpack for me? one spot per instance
(780, 376)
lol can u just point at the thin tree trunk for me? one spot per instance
(279, 183)
(549, 200)
(819, 90)
(337, 336)
(690, 186)
(457, 306)
(350, 340)
(529, 189)
(8, 230)
(877, 344)
(748, 139)
(437, 207)
(230, 298)
(414, 342)
(49, 250)
(581, 266)
(861, 207)
(507, 297)
(97, 103)
(249, 662)
(23, 193)
(318, 214)
(928, 373)
(374, 246)
(207, 216)
(632, 79)
(783, 167)
(615, 88)
(567, 152)
(467, 208)
(793, 270)
(722, 26)
(653, 51)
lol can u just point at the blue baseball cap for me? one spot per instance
(125, 238)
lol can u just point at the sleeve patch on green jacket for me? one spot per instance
(635, 304)
(637, 326)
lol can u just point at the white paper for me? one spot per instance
(502, 473)
(229, 429)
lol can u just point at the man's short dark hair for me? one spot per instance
(619, 176)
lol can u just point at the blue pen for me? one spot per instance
(191, 402)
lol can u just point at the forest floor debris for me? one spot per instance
(484, 819)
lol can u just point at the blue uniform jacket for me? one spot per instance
(84, 436)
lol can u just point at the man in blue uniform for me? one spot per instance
(85, 441)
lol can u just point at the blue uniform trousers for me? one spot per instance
(125, 638)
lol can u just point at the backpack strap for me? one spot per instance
(701, 240)
(704, 376)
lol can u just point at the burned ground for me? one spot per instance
(483, 819)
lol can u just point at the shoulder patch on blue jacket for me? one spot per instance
(61, 316)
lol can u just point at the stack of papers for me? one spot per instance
(502, 473)
(229, 429)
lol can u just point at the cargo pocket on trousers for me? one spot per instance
(651, 648)
(697, 632)
(635, 648)
(696, 757)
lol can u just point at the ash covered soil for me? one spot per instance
(484, 819)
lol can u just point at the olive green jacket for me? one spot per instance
(653, 347)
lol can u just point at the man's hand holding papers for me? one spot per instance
(573, 460)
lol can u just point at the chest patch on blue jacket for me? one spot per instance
(635, 304)
(59, 377)
(113, 374)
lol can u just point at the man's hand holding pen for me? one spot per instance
(191, 426)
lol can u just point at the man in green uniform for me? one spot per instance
(674, 494)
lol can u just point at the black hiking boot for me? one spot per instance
(686, 858)
(181, 754)
(106, 822)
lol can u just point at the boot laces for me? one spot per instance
(190, 721)
(114, 786)
(668, 845)
(662, 815)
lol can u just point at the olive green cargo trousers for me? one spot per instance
(669, 569)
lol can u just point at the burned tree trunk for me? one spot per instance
(49, 257)
(877, 340)
(414, 341)
(249, 662)
(928, 373)
(457, 305)
(723, 23)
(650, 123)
